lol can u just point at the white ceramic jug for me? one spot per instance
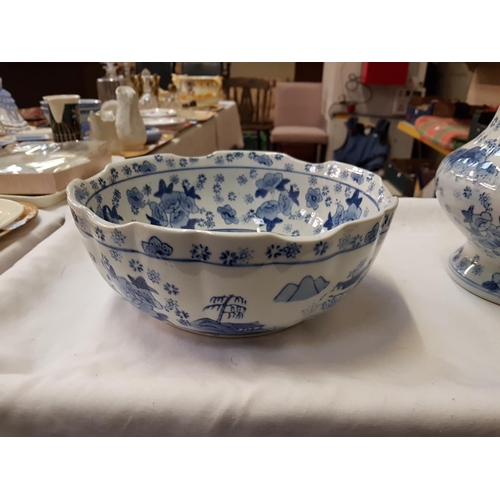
(103, 126)
(129, 125)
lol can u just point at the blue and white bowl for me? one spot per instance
(233, 244)
(85, 106)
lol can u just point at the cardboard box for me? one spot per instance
(84, 159)
(480, 121)
(443, 108)
(411, 176)
(419, 106)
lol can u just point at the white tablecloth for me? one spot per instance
(220, 133)
(19, 242)
(408, 352)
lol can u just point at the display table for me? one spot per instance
(16, 244)
(408, 352)
(220, 133)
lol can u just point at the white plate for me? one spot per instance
(39, 134)
(157, 113)
(9, 212)
(163, 121)
(40, 201)
(5, 140)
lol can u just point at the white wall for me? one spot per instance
(485, 84)
(336, 74)
(454, 80)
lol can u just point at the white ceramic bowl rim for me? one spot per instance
(388, 203)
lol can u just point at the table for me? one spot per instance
(15, 245)
(409, 352)
(220, 133)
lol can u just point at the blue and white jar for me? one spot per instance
(468, 188)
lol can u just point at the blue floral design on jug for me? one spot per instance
(468, 188)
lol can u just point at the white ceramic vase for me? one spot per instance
(468, 188)
(103, 128)
(129, 124)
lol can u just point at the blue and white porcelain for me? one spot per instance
(233, 244)
(468, 188)
(153, 135)
(11, 121)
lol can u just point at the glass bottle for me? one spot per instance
(148, 100)
(107, 85)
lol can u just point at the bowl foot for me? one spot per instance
(234, 335)
(473, 270)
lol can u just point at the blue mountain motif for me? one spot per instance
(307, 288)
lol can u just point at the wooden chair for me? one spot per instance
(254, 98)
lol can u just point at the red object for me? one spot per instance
(351, 108)
(381, 73)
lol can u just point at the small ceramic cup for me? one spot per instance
(64, 117)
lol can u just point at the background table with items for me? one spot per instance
(221, 132)
(408, 352)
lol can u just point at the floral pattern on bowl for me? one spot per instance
(223, 244)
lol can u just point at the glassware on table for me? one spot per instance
(107, 85)
(148, 99)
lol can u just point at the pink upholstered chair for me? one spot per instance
(298, 118)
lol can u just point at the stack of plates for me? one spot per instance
(160, 117)
(14, 215)
(40, 201)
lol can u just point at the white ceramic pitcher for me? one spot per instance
(103, 126)
(129, 124)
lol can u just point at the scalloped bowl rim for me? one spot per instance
(389, 203)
